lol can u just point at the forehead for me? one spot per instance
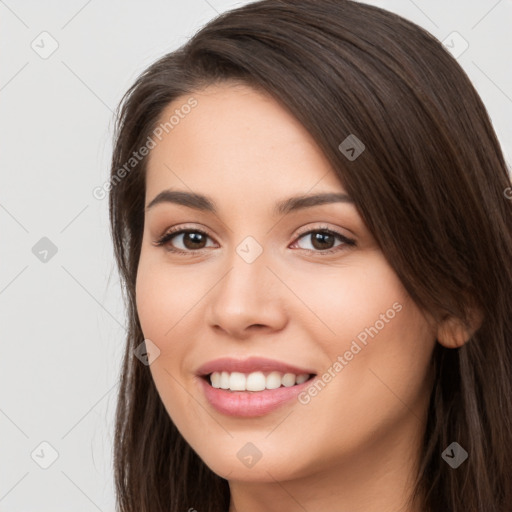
(236, 138)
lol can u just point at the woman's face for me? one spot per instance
(275, 285)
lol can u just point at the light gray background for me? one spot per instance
(62, 320)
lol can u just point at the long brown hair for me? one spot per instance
(430, 185)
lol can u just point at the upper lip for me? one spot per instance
(252, 364)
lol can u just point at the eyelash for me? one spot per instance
(170, 234)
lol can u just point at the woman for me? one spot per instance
(309, 213)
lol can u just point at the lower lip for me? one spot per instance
(250, 403)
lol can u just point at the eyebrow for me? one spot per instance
(206, 204)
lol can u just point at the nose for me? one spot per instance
(248, 298)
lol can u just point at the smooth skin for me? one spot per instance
(354, 447)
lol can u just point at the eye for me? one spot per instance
(322, 240)
(192, 239)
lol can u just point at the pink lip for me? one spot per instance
(252, 364)
(249, 403)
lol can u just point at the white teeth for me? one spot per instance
(255, 381)
(302, 378)
(237, 381)
(288, 379)
(273, 380)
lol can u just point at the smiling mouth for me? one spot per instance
(306, 378)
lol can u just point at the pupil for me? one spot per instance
(319, 237)
(195, 237)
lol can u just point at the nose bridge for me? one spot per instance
(243, 285)
(246, 295)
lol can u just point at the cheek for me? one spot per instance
(384, 341)
(384, 367)
(150, 308)
(350, 301)
(163, 296)
(162, 309)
